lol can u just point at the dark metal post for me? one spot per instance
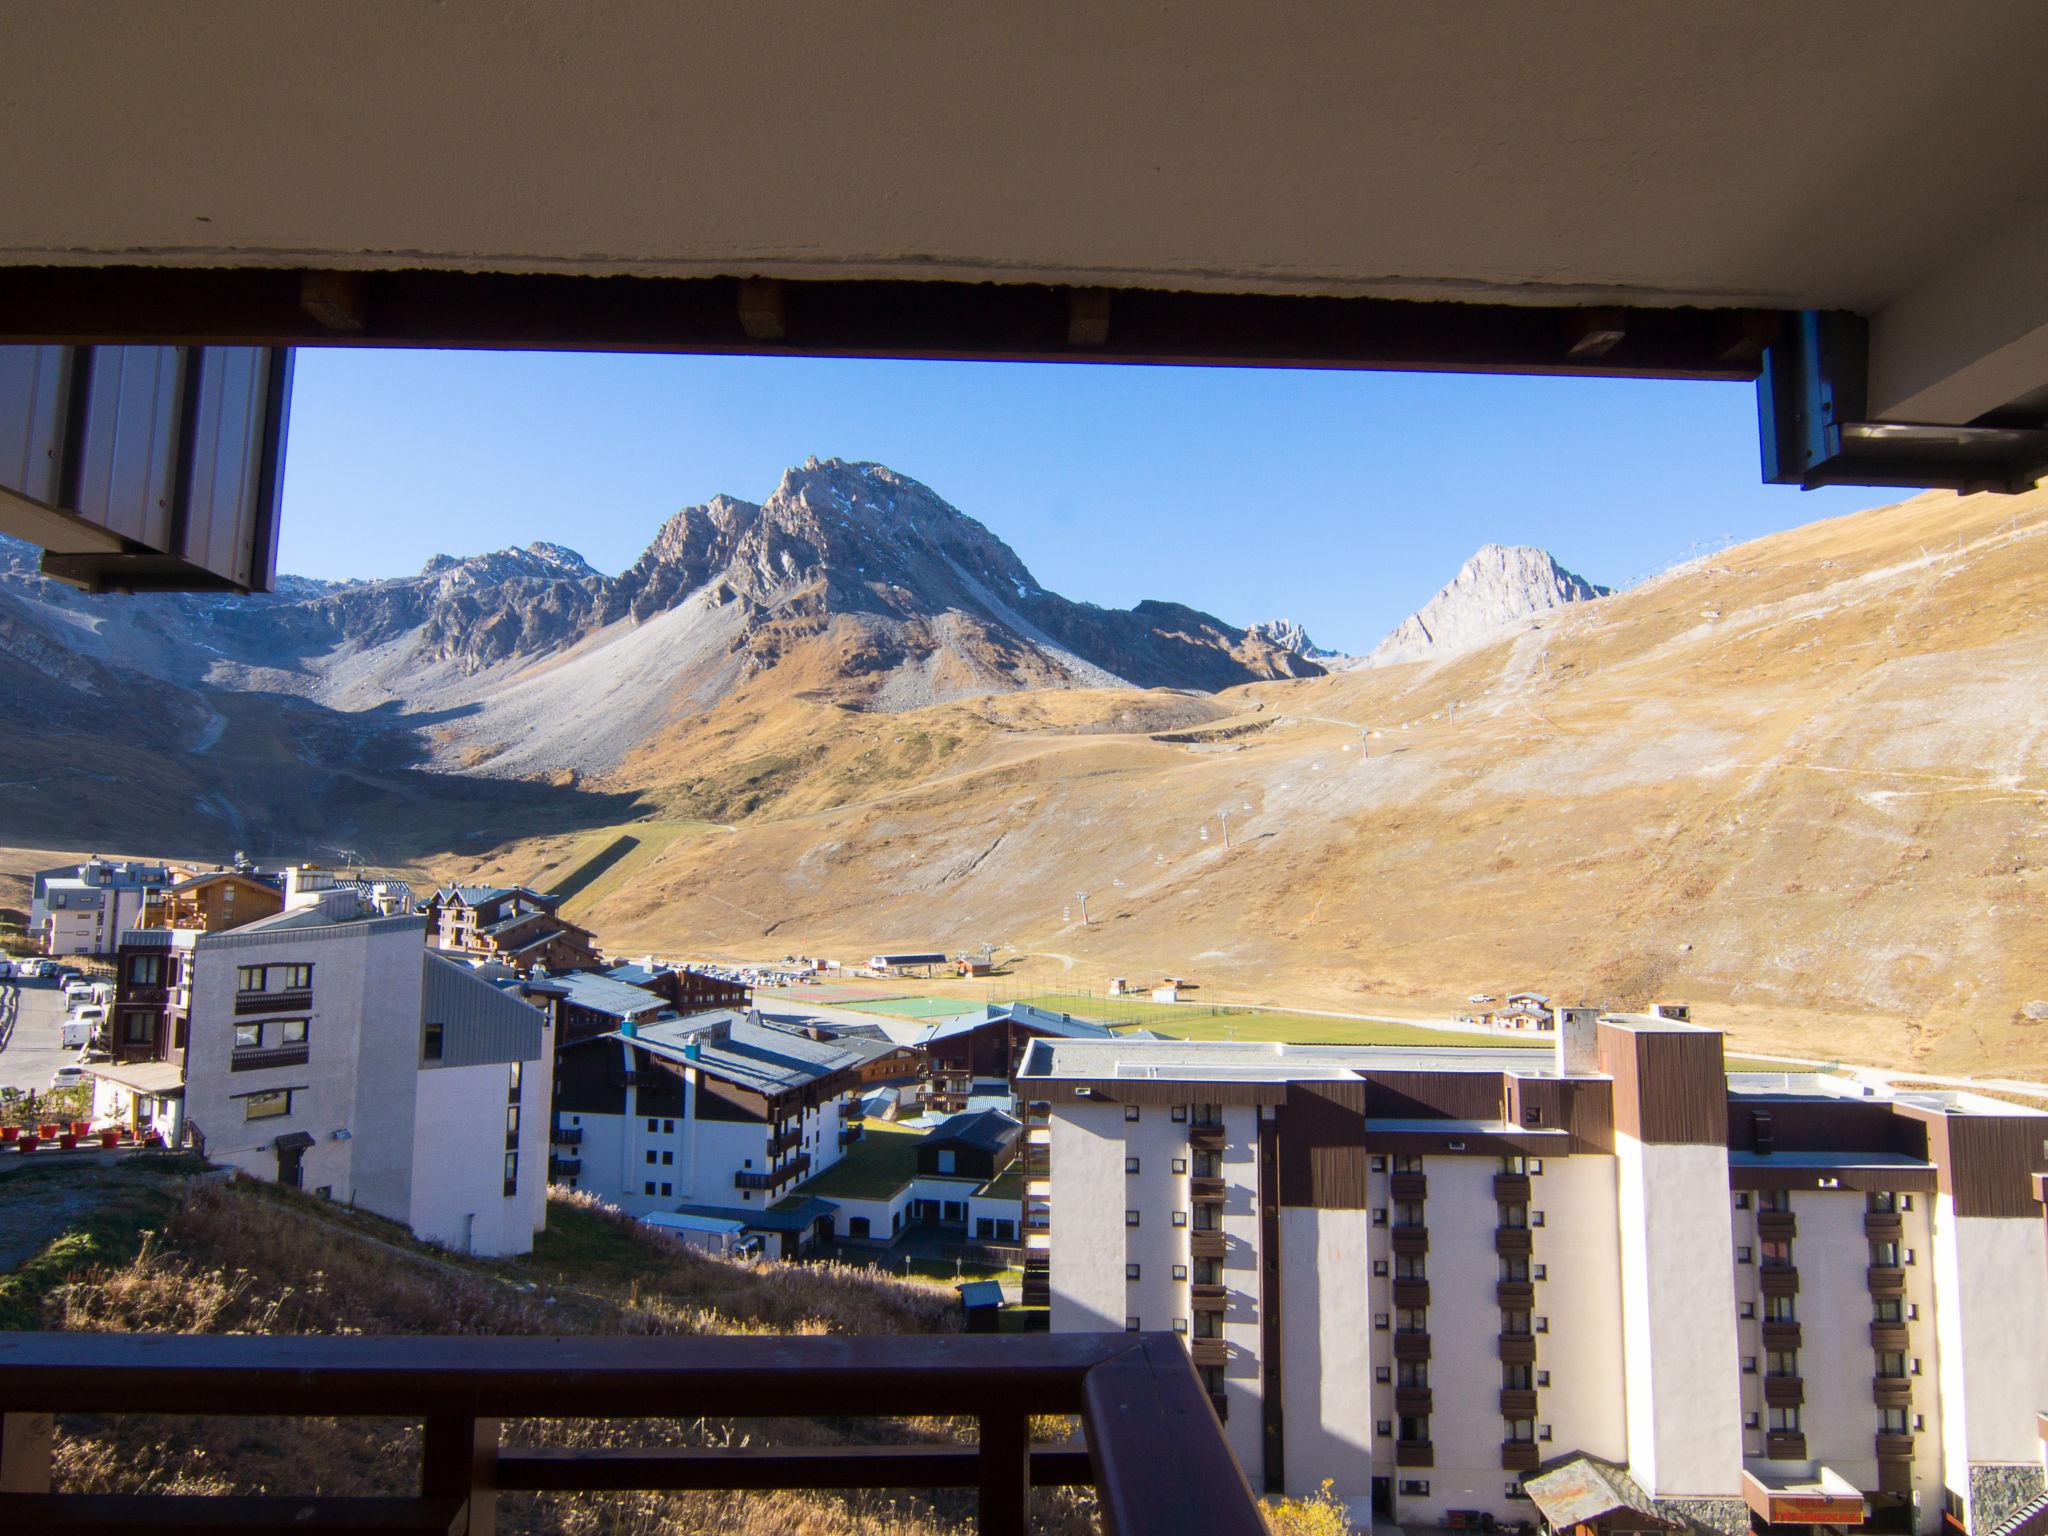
(1005, 1504)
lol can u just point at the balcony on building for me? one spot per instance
(1410, 1186)
(1208, 1351)
(1206, 1245)
(1412, 1345)
(1411, 1293)
(1784, 1391)
(1515, 1295)
(1884, 1226)
(1781, 1335)
(1884, 1280)
(1516, 1348)
(562, 1166)
(1414, 1453)
(1785, 1445)
(1888, 1336)
(1514, 1242)
(1777, 1280)
(1410, 1240)
(1205, 1137)
(1518, 1403)
(1208, 1298)
(1520, 1455)
(566, 1135)
(1206, 1188)
(1414, 1400)
(1773, 1226)
(1511, 1188)
(1892, 1391)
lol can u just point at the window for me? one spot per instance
(1411, 1266)
(1513, 1267)
(1890, 1309)
(1780, 1309)
(1379, 1321)
(1777, 1254)
(1540, 1271)
(1521, 1431)
(511, 1173)
(668, 1127)
(668, 1159)
(1517, 1378)
(1382, 1374)
(1180, 1271)
(512, 1082)
(1414, 1426)
(649, 1155)
(1535, 1218)
(1781, 1362)
(1542, 1324)
(1884, 1255)
(1514, 1491)
(248, 1037)
(1384, 1428)
(1411, 1320)
(1785, 1421)
(1891, 1363)
(1180, 1325)
(1892, 1421)
(1514, 1321)
(668, 1189)
(1752, 1421)
(1413, 1373)
(1514, 1163)
(249, 978)
(1408, 1214)
(1207, 1114)
(1415, 1487)
(1130, 1218)
(648, 1187)
(1543, 1378)
(1180, 1165)
(430, 1043)
(1882, 1200)
(1379, 1164)
(1130, 1111)
(146, 970)
(1747, 1309)
(137, 1027)
(1773, 1200)
(297, 978)
(1513, 1216)
(1407, 1162)
(1742, 1202)
(1379, 1216)
(1745, 1256)
(267, 1106)
(512, 1127)
(652, 1125)
(1130, 1165)
(291, 1032)
(1208, 1218)
(1208, 1165)
(1130, 1325)
(1180, 1114)
(1379, 1267)
(1131, 1271)
(1180, 1218)
(1749, 1365)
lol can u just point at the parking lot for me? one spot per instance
(30, 1049)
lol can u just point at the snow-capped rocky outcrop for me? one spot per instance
(1497, 586)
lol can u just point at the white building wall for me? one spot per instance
(1836, 1361)
(1087, 1215)
(1678, 1312)
(459, 1144)
(1327, 1350)
(1579, 1247)
(1991, 1313)
(386, 1068)
(1243, 1381)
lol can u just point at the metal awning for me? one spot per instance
(1801, 1493)
(160, 1079)
(292, 1141)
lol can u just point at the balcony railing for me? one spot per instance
(1782, 1335)
(1414, 1453)
(1885, 1280)
(273, 1002)
(1883, 1226)
(564, 1167)
(1511, 1188)
(254, 1058)
(1520, 1455)
(770, 1178)
(1155, 1453)
(1410, 1186)
(1206, 1245)
(1785, 1445)
(1518, 1402)
(1205, 1138)
(566, 1135)
(1888, 1336)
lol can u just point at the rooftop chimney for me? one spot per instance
(1578, 1040)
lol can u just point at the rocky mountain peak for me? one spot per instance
(1286, 635)
(1500, 584)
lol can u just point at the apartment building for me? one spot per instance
(1468, 1283)
(973, 1057)
(717, 1111)
(85, 911)
(328, 1048)
(214, 901)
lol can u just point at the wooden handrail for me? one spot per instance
(1155, 1450)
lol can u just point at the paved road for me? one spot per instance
(30, 1013)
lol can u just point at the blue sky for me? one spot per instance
(1342, 500)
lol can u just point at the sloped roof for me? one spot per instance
(601, 994)
(744, 1051)
(479, 1021)
(988, 1129)
(791, 1214)
(1583, 1491)
(635, 974)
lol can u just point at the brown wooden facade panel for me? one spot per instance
(1272, 1388)
(1670, 1086)
(1433, 1095)
(1991, 1162)
(1322, 1146)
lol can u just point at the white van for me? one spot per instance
(78, 1029)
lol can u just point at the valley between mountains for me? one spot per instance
(1801, 783)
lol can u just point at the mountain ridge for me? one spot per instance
(1498, 586)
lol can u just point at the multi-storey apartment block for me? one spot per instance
(718, 1112)
(328, 1048)
(85, 910)
(1440, 1278)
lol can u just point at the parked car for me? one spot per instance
(29, 969)
(1480, 997)
(77, 990)
(70, 1075)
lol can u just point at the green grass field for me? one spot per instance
(915, 1007)
(874, 1168)
(1195, 1021)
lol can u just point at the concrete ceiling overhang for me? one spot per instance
(1875, 157)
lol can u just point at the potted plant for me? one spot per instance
(81, 1127)
(66, 1141)
(29, 1143)
(109, 1138)
(48, 1130)
(9, 1132)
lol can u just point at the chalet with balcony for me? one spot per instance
(970, 1056)
(511, 925)
(213, 902)
(686, 991)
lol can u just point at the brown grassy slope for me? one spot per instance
(1800, 783)
(253, 1259)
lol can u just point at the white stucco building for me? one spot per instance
(1436, 1276)
(84, 911)
(329, 1049)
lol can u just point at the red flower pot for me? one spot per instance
(9, 1132)
(109, 1138)
(81, 1127)
(48, 1130)
(67, 1142)
(29, 1143)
